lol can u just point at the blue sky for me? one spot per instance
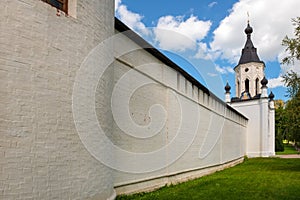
(206, 37)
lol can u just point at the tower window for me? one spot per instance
(256, 86)
(247, 69)
(238, 88)
(59, 4)
(247, 85)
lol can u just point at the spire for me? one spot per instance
(249, 51)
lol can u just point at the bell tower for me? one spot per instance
(250, 70)
(252, 100)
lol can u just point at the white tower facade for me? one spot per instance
(253, 101)
(248, 77)
(250, 70)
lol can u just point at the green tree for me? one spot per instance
(287, 119)
(292, 44)
(280, 127)
(292, 113)
(291, 79)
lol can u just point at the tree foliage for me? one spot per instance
(288, 118)
(292, 82)
(292, 108)
(293, 118)
(280, 127)
(287, 122)
(292, 44)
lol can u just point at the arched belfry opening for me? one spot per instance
(238, 87)
(256, 86)
(247, 85)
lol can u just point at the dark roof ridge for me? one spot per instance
(249, 52)
(120, 26)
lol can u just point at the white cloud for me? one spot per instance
(271, 21)
(278, 82)
(212, 74)
(230, 70)
(224, 70)
(117, 4)
(275, 82)
(285, 68)
(131, 19)
(212, 4)
(220, 69)
(175, 33)
(203, 51)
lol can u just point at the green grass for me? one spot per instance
(258, 178)
(288, 149)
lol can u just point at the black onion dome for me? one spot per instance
(227, 88)
(271, 96)
(264, 81)
(249, 29)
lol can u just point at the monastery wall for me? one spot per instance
(260, 132)
(41, 154)
(84, 112)
(193, 134)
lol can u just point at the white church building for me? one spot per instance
(251, 99)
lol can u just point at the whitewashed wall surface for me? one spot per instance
(84, 112)
(172, 127)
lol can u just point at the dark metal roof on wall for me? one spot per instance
(121, 27)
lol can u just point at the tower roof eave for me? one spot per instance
(250, 62)
(249, 52)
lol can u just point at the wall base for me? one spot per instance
(113, 196)
(100, 197)
(155, 183)
(260, 154)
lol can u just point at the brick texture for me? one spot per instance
(41, 156)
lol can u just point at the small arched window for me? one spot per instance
(238, 88)
(247, 85)
(256, 86)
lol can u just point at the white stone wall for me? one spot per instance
(271, 129)
(260, 130)
(219, 136)
(45, 108)
(251, 109)
(42, 156)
